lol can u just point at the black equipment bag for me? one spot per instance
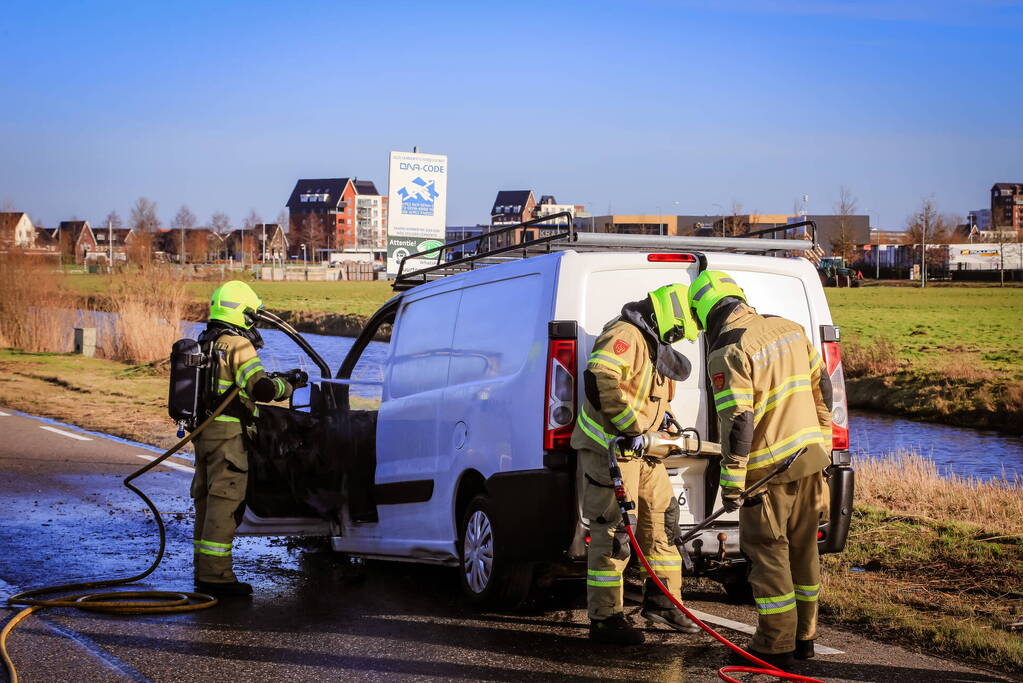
(189, 373)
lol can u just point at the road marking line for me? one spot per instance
(166, 463)
(745, 628)
(63, 433)
(110, 437)
(90, 646)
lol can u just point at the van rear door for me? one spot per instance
(608, 282)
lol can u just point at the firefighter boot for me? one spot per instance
(804, 649)
(615, 630)
(778, 659)
(228, 589)
(658, 609)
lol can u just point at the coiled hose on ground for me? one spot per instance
(118, 602)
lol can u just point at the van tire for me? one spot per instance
(487, 578)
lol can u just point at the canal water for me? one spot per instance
(968, 452)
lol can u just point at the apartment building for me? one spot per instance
(1007, 206)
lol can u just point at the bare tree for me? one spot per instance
(999, 237)
(310, 230)
(842, 242)
(140, 250)
(143, 216)
(113, 220)
(219, 222)
(183, 220)
(928, 227)
(282, 219)
(248, 239)
(252, 220)
(198, 246)
(735, 223)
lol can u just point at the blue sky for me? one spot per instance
(627, 106)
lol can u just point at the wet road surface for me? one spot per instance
(314, 616)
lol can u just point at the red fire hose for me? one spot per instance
(761, 667)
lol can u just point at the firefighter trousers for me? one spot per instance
(779, 535)
(218, 487)
(648, 487)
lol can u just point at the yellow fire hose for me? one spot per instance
(118, 602)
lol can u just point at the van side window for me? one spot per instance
(422, 347)
(365, 361)
(503, 311)
(369, 370)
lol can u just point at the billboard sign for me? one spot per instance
(984, 256)
(417, 207)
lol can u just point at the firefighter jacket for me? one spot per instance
(625, 394)
(238, 364)
(772, 396)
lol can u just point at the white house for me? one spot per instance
(16, 230)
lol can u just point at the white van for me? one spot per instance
(463, 458)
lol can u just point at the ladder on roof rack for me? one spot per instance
(564, 237)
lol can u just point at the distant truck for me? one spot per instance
(834, 273)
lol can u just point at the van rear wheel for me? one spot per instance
(487, 577)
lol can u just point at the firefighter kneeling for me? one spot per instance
(629, 385)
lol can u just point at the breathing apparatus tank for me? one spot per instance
(189, 377)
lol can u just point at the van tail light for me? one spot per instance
(839, 409)
(560, 399)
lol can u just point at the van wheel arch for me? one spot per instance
(470, 484)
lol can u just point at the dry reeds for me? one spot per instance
(906, 483)
(878, 358)
(150, 304)
(31, 301)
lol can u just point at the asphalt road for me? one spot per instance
(314, 616)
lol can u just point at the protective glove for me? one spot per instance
(731, 499)
(296, 378)
(636, 444)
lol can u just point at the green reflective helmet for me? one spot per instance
(710, 287)
(235, 303)
(674, 320)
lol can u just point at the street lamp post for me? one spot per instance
(304, 264)
(877, 255)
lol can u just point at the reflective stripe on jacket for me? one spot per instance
(625, 395)
(238, 364)
(772, 398)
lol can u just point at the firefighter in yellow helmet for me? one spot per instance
(221, 461)
(628, 388)
(772, 398)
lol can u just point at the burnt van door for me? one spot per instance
(300, 458)
(293, 489)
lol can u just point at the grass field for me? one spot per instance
(360, 298)
(938, 326)
(945, 354)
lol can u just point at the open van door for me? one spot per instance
(311, 466)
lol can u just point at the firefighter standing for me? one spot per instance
(772, 399)
(628, 387)
(221, 461)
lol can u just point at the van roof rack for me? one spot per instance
(562, 237)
